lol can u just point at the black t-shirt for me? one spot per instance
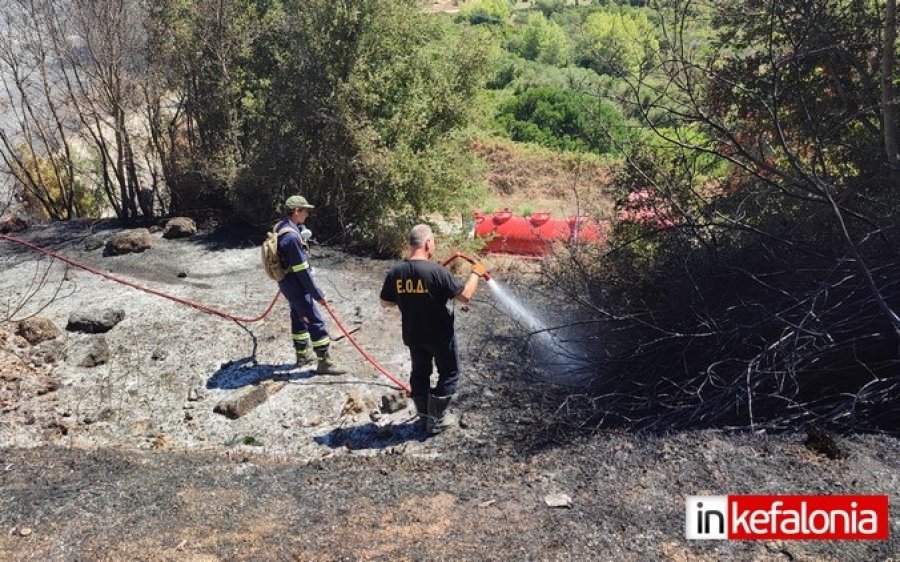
(421, 289)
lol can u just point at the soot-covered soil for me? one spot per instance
(128, 460)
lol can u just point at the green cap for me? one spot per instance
(297, 202)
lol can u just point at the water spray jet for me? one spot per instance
(554, 352)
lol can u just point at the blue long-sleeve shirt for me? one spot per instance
(293, 257)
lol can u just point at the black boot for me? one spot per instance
(439, 419)
(421, 403)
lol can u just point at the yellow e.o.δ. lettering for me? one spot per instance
(407, 286)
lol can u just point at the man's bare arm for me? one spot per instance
(465, 296)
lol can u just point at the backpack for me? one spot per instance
(270, 259)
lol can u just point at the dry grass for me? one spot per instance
(528, 179)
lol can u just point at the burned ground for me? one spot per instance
(128, 460)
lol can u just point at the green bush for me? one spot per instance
(563, 119)
(549, 7)
(543, 41)
(618, 42)
(518, 74)
(513, 75)
(486, 11)
(503, 72)
(50, 189)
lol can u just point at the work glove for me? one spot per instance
(479, 269)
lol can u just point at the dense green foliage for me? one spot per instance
(584, 54)
(358, 105)
(544, 41)
(563, 119)
(365, 107)
(618, 42)
(486, 11)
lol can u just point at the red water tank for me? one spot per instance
(533, 235)
(585, 230)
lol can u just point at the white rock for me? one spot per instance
(558, 500)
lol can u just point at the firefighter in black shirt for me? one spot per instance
(422, 289)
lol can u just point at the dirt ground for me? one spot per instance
(526, 182)
(128, 460)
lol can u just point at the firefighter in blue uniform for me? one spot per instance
(311, 341)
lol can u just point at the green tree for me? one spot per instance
(563, 119)
(549, 7)
(217, 59)
(364, 115)
(486, 11)
(544, 41)
(617, 42)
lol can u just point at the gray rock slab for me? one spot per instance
(238, 404)
(95, 321)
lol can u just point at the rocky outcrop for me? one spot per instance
(180, 227)
(136, 240)
(37, 329)
(12, 224)
(95, 321)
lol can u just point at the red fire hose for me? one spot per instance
(216, 312)
(200, 307)
(460, 255)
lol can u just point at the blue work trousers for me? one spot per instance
(305, 317)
